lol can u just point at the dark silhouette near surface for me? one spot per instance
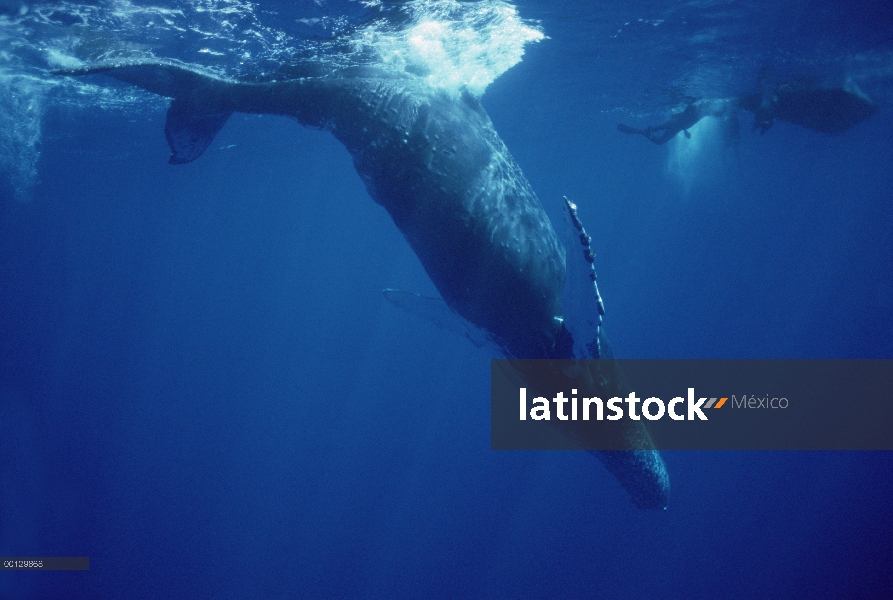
(827, 110)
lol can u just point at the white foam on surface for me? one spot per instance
(455, 45)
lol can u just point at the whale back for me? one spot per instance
(434, 161)
(436, 164)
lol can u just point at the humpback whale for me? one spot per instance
(434, 161)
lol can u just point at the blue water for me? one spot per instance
(203, 389)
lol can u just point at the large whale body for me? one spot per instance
(434, 161)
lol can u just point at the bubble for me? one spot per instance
(22, 102)
(699, 161)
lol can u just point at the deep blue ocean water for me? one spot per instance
(203, 389)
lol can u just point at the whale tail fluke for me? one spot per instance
(198, 110)
(190, 131)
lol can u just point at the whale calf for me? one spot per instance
(434, 161)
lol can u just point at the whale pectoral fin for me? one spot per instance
(582, 306)
(190, 132)
(436, 311)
